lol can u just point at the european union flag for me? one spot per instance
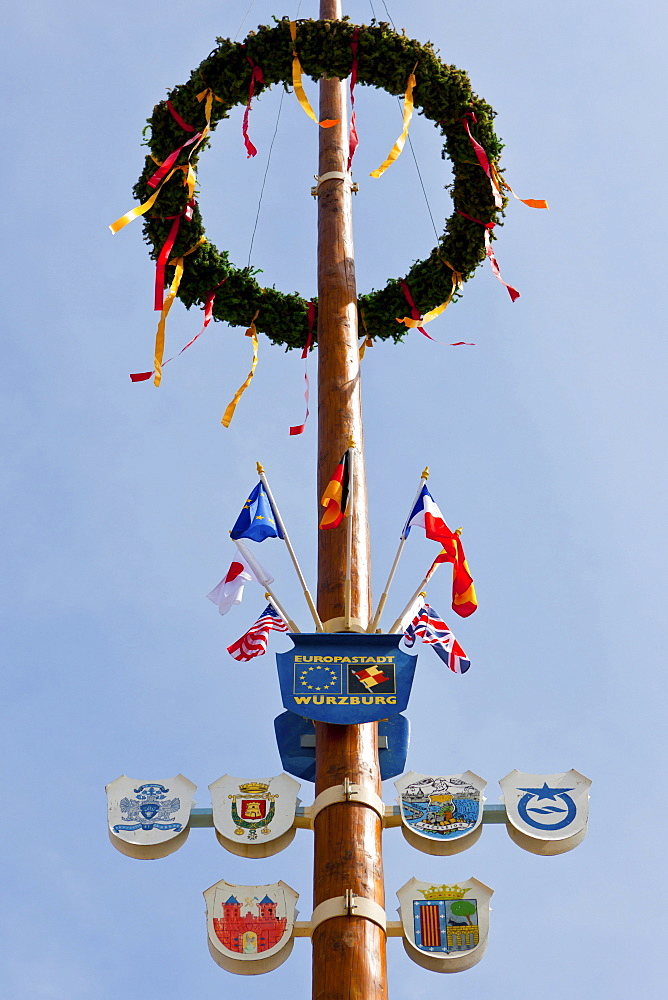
(257, 520)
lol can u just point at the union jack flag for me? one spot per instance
(254, 642)
(430, 628)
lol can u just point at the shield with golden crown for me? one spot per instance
(254, 817)
(445, 927)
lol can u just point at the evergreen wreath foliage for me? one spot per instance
(386, 58)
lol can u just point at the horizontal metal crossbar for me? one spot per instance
(200, 817)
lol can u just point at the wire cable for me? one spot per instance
(410, 141)
(252, 4)
(264, 179)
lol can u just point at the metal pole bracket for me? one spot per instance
(349, 791)
(333, 175)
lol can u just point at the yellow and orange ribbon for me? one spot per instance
(401, 141)
(502, 182)
(159, 351)
(190, 180)
(138, 210)
(160, 332)
(229, 412)
(415, 324)
(300, 93)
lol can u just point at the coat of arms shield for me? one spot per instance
(250, 926)
(149, 819)
(254, 817)
(445, 927)
(441, 814)
(546, 813)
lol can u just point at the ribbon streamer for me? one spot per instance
(433, 313)
(483, 159)
(417, 320)
(367, 342)
(488, 226)
(167, 164)
(531, 202)
(138, 210)
(229, 412)
(297, 83)
(514, 294)
(307, 347)
(415, 312)
(160, 332)
(399, 144)
(179, 120)
(161, 263)
(257, 76)
(353, 139)
(208, 314)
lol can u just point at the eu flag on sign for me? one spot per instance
(257, 520)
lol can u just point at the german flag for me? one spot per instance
(335, 498)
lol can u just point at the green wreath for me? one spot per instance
(385, 60)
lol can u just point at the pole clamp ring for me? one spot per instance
(349, 905)
(333, 175)
(349, 791)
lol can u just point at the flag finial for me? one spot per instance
(351, 442)
(458, 531)
(425, 472)
(259, 467)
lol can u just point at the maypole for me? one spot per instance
(348, 954)
(347, 679)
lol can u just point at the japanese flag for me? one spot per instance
(230, 590)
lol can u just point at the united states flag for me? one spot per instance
(430, 628)
(254, 642)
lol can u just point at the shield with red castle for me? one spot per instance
(254, 817)
(250, 926)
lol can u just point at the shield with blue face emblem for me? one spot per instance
(546, 813)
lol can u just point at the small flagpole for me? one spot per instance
(286, 539)
(259, 573)
(383, 597)
(432, 569)
(349, 535)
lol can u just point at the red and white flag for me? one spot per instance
(230, 590)
(254, 641)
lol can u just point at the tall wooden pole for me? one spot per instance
(348, 952)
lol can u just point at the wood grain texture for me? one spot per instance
(348, 952)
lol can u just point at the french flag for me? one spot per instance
(425, 514)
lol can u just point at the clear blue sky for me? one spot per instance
(545, 440)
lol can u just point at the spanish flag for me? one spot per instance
(464, 600)
(336, 496)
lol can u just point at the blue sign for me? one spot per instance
(295, 737)
(345, 677)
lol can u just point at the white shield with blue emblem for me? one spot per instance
(149, 819)
(546, 813)
(441, 814)
(445, 927)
